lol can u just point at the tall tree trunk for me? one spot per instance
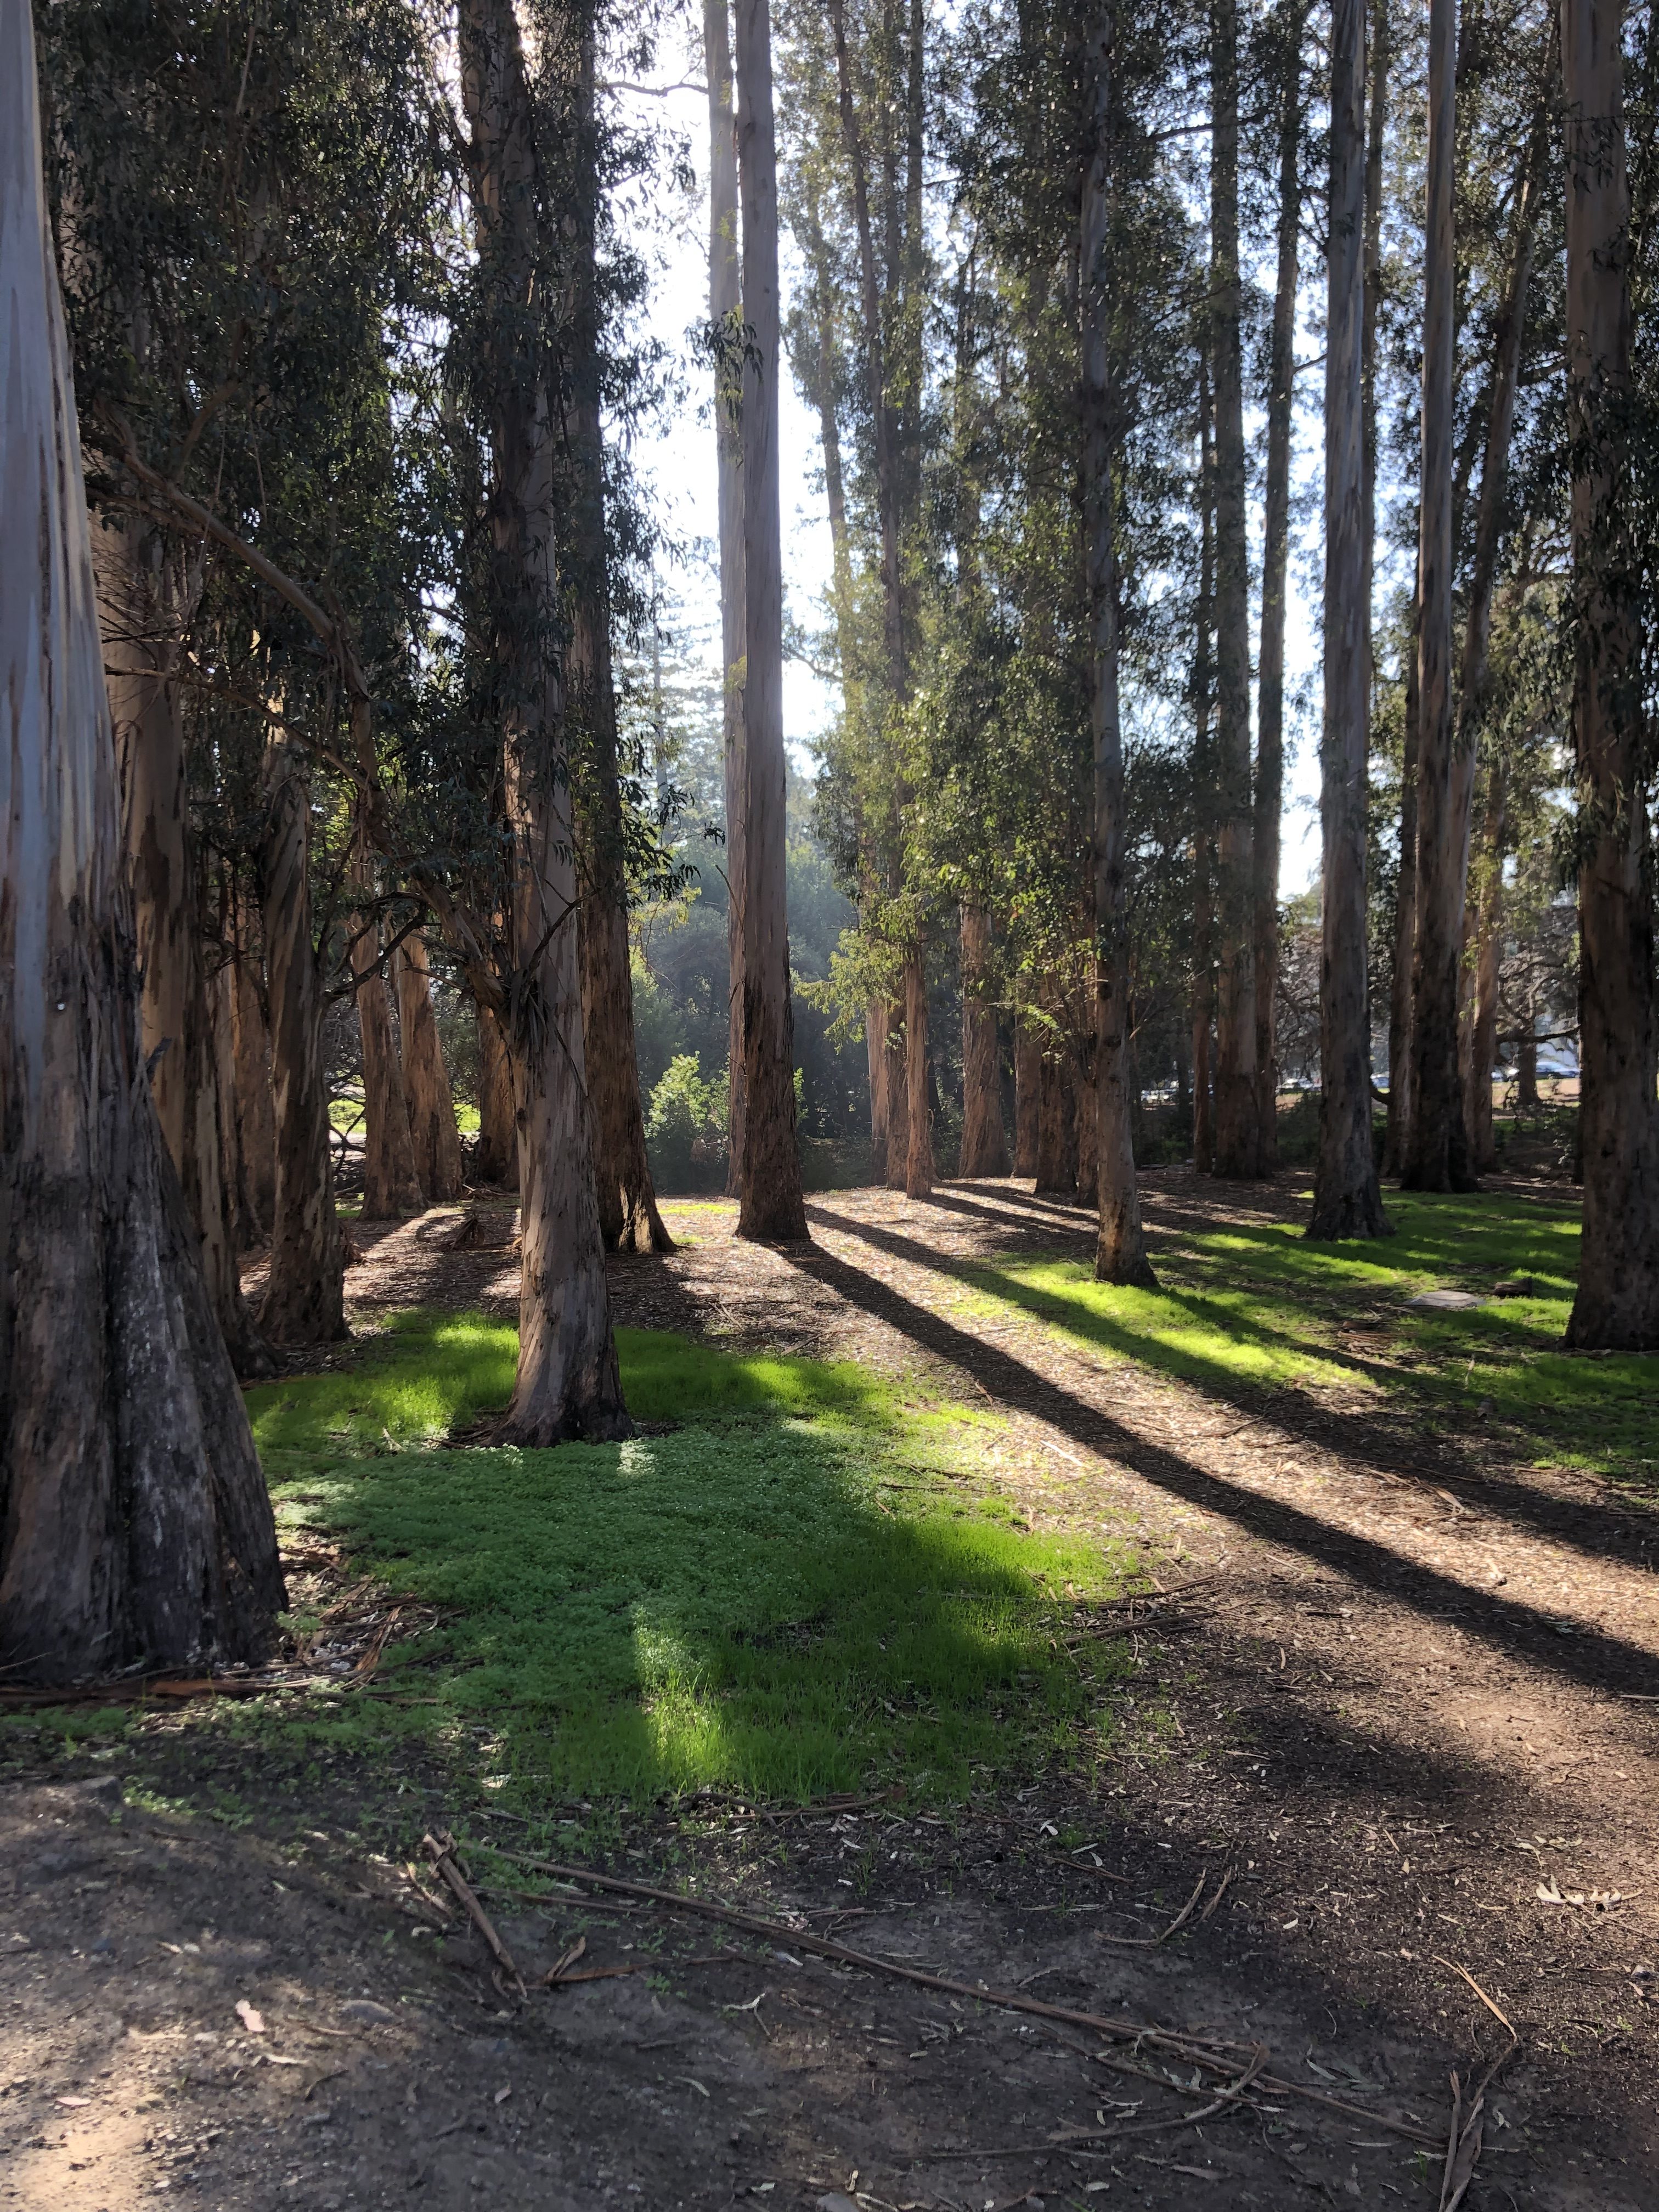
(1396, 1139)
(1085, 1119)
(1028, 1087)
(1489, 925)
(1617, 1304)
(875, 1043)
(1203, 1006)
(984, 1143)
(138, 605)
(304, 1300)
(256, 1116)
(1056, 1164)
(568, 1383)
(1106, 1165)
(1526, 1073)
(1437, 1154)
(498, 1134)
(1275, 562)
(1237, 1140)
(392, 1189)
(136, 1531)
(895, 1073)
(918, 1154)
(725, 298)
(1347, 1199)
(222, 1001)
(426, 1080)
(628, 1200)
(771, 1205)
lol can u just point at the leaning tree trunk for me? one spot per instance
(1617, 1304)
(1275, 563)
(432, 1127)
(568, 1383)
(139, 601)
(392, 1189)
(895, 1074)
(304, 1300)
(918, 1151)
(1105, 1118)
(1237, 1141)
(724, 297)
(984, 1142)
(1346, 1199)
(1438, 1152)
(771, 1205)
(1028, 1086)
(136, 1531)
(256, 1113)
(498, 1135)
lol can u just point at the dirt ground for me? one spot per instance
(1415, 1690)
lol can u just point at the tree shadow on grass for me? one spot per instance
(1382, 1444)
(1599, 1662)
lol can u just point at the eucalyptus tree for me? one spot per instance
(136, 1529)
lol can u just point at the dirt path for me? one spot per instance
(1411, 1685)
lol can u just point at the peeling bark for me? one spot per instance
(134, 1527)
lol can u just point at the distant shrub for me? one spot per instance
(685, 1127)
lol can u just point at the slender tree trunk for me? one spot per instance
(426, 1080)
(304, 1300)
(1526, 1091)
(222, 1001)
(498, 1132)
(895, 1073)
(919, 1156)
(771, 1205)
(1489, 928)
(1203, 1007)
(1238, 1128)
(1346, 1199)
(984, 1144)
(1275, 562)
(139, 602)
(1085, 1117)
(1028, 1087)
(256, 1118)
(568, 1383)
(875, 1042)
(136, 1531)
(1056, 1165)
(724, 296)
(1106, 1162)
(1396, 1135)
(392, 1189)
(1617, 1304)
(1437, 1156)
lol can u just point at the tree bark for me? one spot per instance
(1346, 1199)
(984, 1142)
(426, 1080)
(1438, 1154)
(1489, 924)
(919, 1152)
(1617, 1304)
(498, 1132)
(138, 605)
(1526, 1074)
(1396, 1139)
(771, 1205)
(725, 298)
(875, 1043)
(895, 1073)
(304, 1300)
(568, 1383)
(1028, 1086)
(1275, 563)
(1203, 1006)
(392, 1189)
(1056, 1164)
(1106, 1161)
(134, 1527)
(256, 1117)
(1238, 1127)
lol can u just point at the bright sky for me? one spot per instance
(678, 462)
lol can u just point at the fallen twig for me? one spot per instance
(443, 1861)
(1152, 1942)
(775, 1932)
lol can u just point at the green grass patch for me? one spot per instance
(803, 1586)
(1251, 1306)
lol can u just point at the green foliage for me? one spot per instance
(798, 1589)
(685, 1126)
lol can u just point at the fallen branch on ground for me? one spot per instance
(444, 1864)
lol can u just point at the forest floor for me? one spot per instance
(1356, 1600)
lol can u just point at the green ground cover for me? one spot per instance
(1248, 1306)
(805, 1585)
